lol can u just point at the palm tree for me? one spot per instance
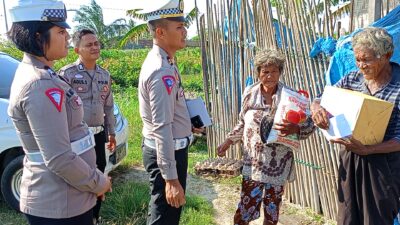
(141, 30)
(91, 17)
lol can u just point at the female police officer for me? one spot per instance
(60, 182)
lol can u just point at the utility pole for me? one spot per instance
(5, 14)
(374, 10)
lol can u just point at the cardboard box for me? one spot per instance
(357, 114)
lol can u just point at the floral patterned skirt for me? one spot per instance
(254, 194)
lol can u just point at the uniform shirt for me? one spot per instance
(163, 108)
(263, 163)
(47, 114)
(95, 92)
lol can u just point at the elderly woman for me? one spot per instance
(369, 176)
(266, 167)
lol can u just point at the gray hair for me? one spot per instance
(374, 38)
(268, 57)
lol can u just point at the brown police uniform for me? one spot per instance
(95, 92)
(163, 108)
(60, 179)
(94, 88)
(166, 131)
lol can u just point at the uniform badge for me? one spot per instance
(56, 96)
(169, 82)
(78, 76)
(77, 100)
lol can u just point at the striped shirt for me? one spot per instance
(390, 92)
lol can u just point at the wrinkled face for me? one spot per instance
(175, 35)
(269, 75)
(369, 64)
(89, 48)
(58, 45)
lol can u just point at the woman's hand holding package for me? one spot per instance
(286, 128)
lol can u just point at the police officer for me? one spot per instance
(93, 85)
(167, 130)
(60, 181)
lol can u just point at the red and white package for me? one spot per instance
(293, 107)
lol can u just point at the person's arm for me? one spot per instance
(162, 107)
(236, 134)
(162, 104)
(318, 113)
(109, 119)
(52, 138)
(351, 144)
(391, 145)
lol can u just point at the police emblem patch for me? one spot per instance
(56, 97)
(169, 82)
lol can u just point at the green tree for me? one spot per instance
(141, 30)
(91, 17)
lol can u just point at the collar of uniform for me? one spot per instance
(32, 60)
(163, 54)
(81, 67)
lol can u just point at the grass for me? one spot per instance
(9, 216)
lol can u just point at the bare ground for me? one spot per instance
(224, 198)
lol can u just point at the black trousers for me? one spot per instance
(160, 213)
(368, 188)
(83, 219)
(100, 140)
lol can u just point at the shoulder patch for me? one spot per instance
(169, 82)
(56, 96)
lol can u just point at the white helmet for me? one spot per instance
(40, 10)
(163, 9)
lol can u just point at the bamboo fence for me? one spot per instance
(230, 33)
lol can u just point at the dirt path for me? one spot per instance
(224, 198)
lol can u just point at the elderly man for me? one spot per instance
(369, 176)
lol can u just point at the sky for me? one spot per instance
(112, 10)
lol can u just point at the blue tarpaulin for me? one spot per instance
(342, 61)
